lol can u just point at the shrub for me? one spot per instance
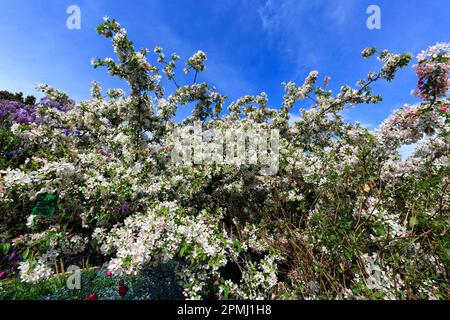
(343, 216)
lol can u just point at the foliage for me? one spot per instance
(344, 217)
(152, 283)
(18, 97)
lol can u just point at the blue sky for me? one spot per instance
(252, 45)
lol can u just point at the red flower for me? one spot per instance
(444, 108)
(109, 273)
(92, 296)
(123, 290)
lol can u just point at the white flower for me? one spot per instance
(30, 221)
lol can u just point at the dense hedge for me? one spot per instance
(343, 216)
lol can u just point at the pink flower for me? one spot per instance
(3, 275)
(109, 273)
(92, 296)
(444, 108)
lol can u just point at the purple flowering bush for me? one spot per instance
(343, 217)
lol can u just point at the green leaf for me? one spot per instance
(26, 253)
(182, 250)
(4, 247)
(238, 245)
(378, 295)
(412, 222)
(226, 291)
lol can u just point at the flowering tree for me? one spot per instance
(343, 217)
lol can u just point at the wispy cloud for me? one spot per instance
(289, 25)
(292, 15)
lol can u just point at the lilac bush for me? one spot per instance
(16, 112)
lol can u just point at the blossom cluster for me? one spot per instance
(432, 71)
